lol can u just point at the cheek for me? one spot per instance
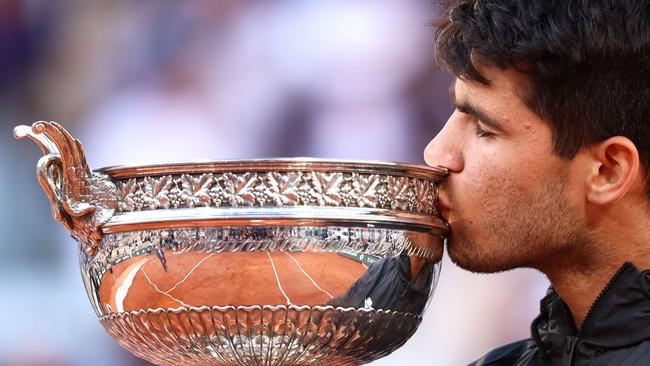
(476, 198)
(487, 175)
(489, 189)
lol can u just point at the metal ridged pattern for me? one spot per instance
(261, 335)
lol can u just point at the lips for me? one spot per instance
(443, 209)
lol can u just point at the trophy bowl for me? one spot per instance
(253, 262)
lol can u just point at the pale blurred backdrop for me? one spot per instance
(147, 81)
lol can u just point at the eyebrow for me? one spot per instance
(468, 108)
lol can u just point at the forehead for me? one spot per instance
(506, 85)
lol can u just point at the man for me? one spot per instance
(548, 151)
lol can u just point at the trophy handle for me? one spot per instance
(82, 200)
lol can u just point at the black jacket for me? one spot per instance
(616, 330)
(387, 285)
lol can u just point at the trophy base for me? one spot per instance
(261, 335)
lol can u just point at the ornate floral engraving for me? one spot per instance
(281, 189)
(239, 189)
(127, 197)
(156, 192)
(196, 190)
(424, 196)
(278, 189)
(326, 187)
(398, 191)
(365, 190)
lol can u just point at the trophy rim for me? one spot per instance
(287, 216)
(276, 164)
(279, 213)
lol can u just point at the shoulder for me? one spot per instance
(636, 355)
(522, 353)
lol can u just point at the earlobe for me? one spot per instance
(614, 171)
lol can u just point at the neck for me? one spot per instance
(580, 276)
(579, 288)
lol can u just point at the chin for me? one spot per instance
(478, 259)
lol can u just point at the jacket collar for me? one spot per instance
(619, 317)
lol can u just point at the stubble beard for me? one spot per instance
(522, 231)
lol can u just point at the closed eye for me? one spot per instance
(480, 132)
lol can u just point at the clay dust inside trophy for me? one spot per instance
(251, 262)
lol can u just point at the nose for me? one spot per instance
(446, 148)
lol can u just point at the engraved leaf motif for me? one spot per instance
(365, 189)
(283, 189)
(196, 191)
(326, 188)
(239, 190)
(156, 192)
(126, 191)
(203, 191)
(424, 199)
(398, 192)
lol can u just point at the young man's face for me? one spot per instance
(510, 201)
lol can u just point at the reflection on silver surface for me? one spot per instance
(292, 263)
(243, 266)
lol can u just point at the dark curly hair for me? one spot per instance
(587, 62)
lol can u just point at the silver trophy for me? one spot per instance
(251, 262)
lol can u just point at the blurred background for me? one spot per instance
(149, 81)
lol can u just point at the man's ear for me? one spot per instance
(614, 170)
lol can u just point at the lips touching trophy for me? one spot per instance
(251, 262)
